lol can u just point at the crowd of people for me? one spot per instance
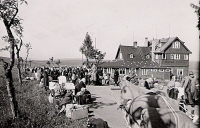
(93, 76)
(187, 90)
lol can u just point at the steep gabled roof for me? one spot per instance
(138, 52)
(165, 43)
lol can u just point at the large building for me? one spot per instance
(158, 58)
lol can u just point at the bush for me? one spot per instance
(34, 108)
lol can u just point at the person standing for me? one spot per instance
(187, 83)
(116, 76)
(46, 79)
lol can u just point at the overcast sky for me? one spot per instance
(58, 27)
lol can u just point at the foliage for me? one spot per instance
(48, 63)
(35, 110)
(58, 62)
(197, 11)
(89, 51)
(28, 48)
(8, 14)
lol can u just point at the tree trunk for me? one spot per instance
(11, 93)
(19, 69)
(8, 72)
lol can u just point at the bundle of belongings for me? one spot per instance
(97, 123)
(83, 97)
(64, 100)
(59, 95)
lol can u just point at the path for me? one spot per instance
(105, 106)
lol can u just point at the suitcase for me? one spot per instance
(79, 112)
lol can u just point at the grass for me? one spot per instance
(35, 110)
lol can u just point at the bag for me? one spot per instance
(68, 111)
(97, 123)
(50, 99)
(79, 111)
(84, 98)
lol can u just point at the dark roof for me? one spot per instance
(165, 43)
(138, 52)
(129, 64)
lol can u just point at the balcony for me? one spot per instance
(174, 62)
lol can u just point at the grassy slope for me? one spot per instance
(34, 107)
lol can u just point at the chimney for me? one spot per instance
(135, 44)
(146, 42)
(153, 50)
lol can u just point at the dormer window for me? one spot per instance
(148, 56)
(131, 55)
(176, 44)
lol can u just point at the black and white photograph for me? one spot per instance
(99, 63)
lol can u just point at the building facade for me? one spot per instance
(158, 58)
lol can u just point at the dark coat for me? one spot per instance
(46, 79)
(116, 75)
(79, 86)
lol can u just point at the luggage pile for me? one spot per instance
(74, 105)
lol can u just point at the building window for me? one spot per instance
(175, 56)
(122, 71)
(180, 72)
(131, 55)
(148, 56)
(154, 70)
(186, 57)
(109, 70)
(144, 72)
(156, 56)
(164, 56)
(176, 44)
(167, 70)
(161, 70)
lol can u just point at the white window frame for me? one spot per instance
(161, 70)
(131, 55)
(147, 56)
(167, 70)
(179, 72)
(123, 70)
(154, 70)
(156, 56)
(186, 57)
(175, 56)
(172, 56)
(164, 56)
(172, 71)
(176, 44)
(144, 72)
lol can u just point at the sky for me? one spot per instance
(58, 28)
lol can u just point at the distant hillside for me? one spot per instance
(68, 62)
(193, 65)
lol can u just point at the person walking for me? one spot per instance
(116, 76)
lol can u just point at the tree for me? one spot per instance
(49, 63)
(30, 61)
(58, 62)
(28, 48)
(99, 56)
(90, 52)
(197, 11)
(18, 46)
(8, 13)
